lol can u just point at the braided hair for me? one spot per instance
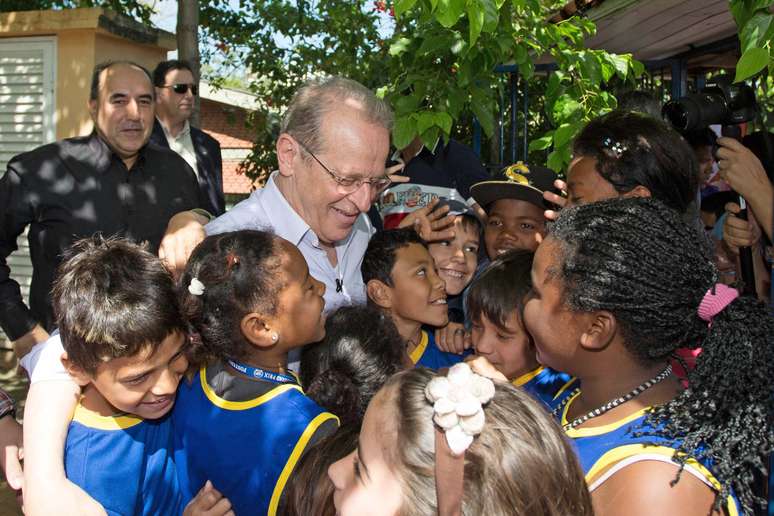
(636, 259)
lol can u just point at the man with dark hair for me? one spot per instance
(110, 181)
(176, 88)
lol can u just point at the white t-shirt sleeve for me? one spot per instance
(43, 363)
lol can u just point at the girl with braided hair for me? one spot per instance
(618, 286)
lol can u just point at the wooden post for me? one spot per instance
(188, 43)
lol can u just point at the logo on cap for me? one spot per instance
(516, 173)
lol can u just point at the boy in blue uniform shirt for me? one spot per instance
(401, 280)
(124, 338)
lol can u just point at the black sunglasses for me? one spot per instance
(182, 88)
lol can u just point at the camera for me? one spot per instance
(719, 102)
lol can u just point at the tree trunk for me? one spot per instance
(188, 43)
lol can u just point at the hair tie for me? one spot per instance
(615, 147)
(458, 400)
(196, 287)
(715, 301)
(232, 260)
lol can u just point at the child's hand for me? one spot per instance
(11, 454)
(453, 338)
(430, 224)
(559, 200)
(208, 502)
(484, 367)
(739, 232)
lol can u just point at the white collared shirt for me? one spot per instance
(183, 145)
(267, 209)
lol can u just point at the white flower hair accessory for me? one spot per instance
(458, 400)
(196, 287)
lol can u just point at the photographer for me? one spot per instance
(743, 171)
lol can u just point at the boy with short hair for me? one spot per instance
(124, 338)
(514, 205)
(402, 281)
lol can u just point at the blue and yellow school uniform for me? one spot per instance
(247, 448)
(124, 462)
(427, 354)
(544, 383)
(603, 450)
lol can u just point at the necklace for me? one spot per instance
(647, 384)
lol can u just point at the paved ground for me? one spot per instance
(17, 386)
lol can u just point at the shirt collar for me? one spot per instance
(104, 155)
(183, 132)
(285, 221)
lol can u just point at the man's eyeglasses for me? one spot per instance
(181, 88)
(348, 185)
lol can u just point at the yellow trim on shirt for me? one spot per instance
(294, 456)
(565, 387)
(416, 355)
(91, 419)
(597, 430)
(242, 405)
(521, 380)
(620, 453)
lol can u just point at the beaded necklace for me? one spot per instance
(647, 384)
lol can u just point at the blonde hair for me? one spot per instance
(520, 464)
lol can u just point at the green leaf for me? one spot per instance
(564, 133)
(403, 131)
(401, 6)
(432, 44)
(483, 111)
(565, 108)
(449, 12)
(425, 121)
(755, 30)
(554, 161)
(475, 20)
(638, 68)
(743, 10)
(430, 137)
(519, 54)
(491, 15)
(752, 61)
(541, 143)
(608, 70)
(444, 121)
(621, 63)
(399, 46)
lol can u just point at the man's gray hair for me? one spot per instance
(318, 97)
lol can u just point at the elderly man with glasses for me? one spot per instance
(175, 92)
(331, 152)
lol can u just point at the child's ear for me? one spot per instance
(379, 293)
(257, 329)
(80, 376)
(638, 191)
(600, 332)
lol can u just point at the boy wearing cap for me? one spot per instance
(514, 205)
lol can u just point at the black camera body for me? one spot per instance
(719, 102)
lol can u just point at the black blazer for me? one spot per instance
(209, 164)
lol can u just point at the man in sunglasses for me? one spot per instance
(175, 92)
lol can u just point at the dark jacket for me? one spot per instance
(72, 189)
(208, 162)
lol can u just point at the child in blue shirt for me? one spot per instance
(244, 420)
(495, 303)
(124, 342)
(401, 280)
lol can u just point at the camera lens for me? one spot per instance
(696, 111)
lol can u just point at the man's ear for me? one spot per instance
(638, 191)
(80, 376)
(258, 330)
(93, 110)
(287, 153)
(600, 332)
(379, 293)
